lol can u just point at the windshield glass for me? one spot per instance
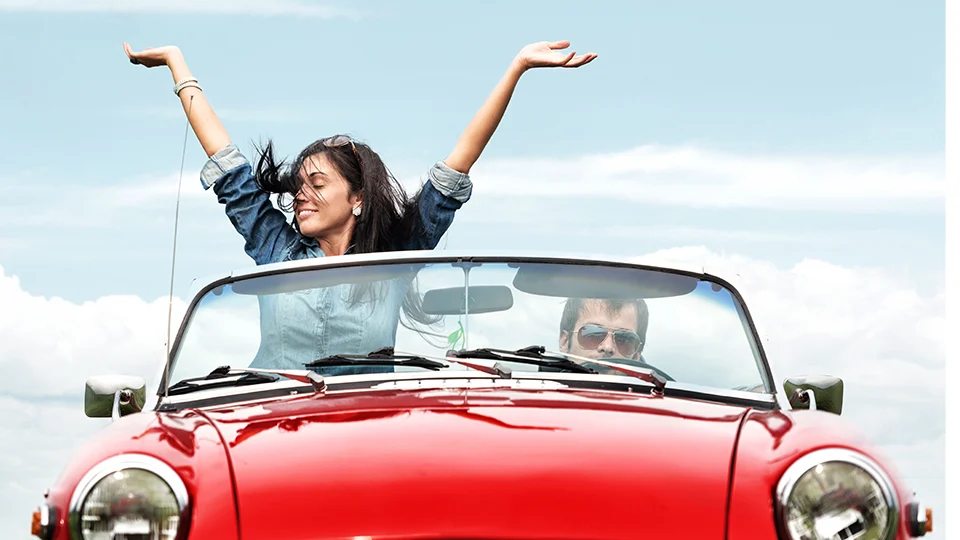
(693, 331)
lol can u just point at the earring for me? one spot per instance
(356, 210)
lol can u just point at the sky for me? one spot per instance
(794, 149)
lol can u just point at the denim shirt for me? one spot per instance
(297, 328)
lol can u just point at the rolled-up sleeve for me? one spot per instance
(453, 184)
(268, 235)
(442, 195)
(225, 160)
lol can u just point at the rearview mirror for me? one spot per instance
(483, 299)
(826, 393)
(114, 396)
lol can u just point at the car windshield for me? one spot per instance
(692, 330)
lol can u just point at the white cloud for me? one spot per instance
(150, 191)
(697, 177)
(106, 205)
(225, 7)
(53, 345)
(866, 325)
(687, 177)
(36, 440)
(48, 348)
(875, 331)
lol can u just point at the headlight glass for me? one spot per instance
(129, 497)
(131, 504)
(837, 495)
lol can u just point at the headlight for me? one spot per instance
(130, 496)
(836, 494)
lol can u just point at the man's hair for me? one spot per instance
(574, 307)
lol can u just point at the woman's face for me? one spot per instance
(324, 205)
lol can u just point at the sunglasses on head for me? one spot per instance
(341, 140)
(627, 342)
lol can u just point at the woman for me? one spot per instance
(344, 201)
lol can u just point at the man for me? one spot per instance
(604, 328)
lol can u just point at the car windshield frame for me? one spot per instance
(768, 395)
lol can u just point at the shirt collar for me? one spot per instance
(312, 242)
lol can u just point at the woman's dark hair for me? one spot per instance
(389, 216)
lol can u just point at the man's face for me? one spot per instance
(602, 333)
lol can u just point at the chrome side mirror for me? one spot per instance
(817, 392)
(113, 396)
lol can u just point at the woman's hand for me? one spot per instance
(545, 54)
(154, 56)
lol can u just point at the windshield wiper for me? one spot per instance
(523, 356)
(225, 376)
(535, 354)
(387, 356)
(380, 357)
(651, 376)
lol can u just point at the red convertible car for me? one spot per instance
(442, 395)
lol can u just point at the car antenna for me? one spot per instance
(173, 262)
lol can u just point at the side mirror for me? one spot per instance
(819, 392)
(113, 396)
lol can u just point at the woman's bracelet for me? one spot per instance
(185, 83)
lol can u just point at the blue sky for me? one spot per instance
(798, 147)
(821, 79)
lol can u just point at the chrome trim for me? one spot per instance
(758, 397)
(916, 513)
(465, 378)
(238, 391)
(803, 396)
(47, 521)
(115, 415)
(813, 400)
(123, 397)
(121, 462)
(473, 383)
(808, 461)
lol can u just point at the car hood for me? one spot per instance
(448, 463)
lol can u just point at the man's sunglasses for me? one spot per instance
(590, 336)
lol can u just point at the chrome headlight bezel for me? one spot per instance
(801, 466)
(125, 462)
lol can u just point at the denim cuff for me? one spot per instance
(227, 158)
(453, 184)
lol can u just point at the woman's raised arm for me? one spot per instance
(479, 131)
(210, 132)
